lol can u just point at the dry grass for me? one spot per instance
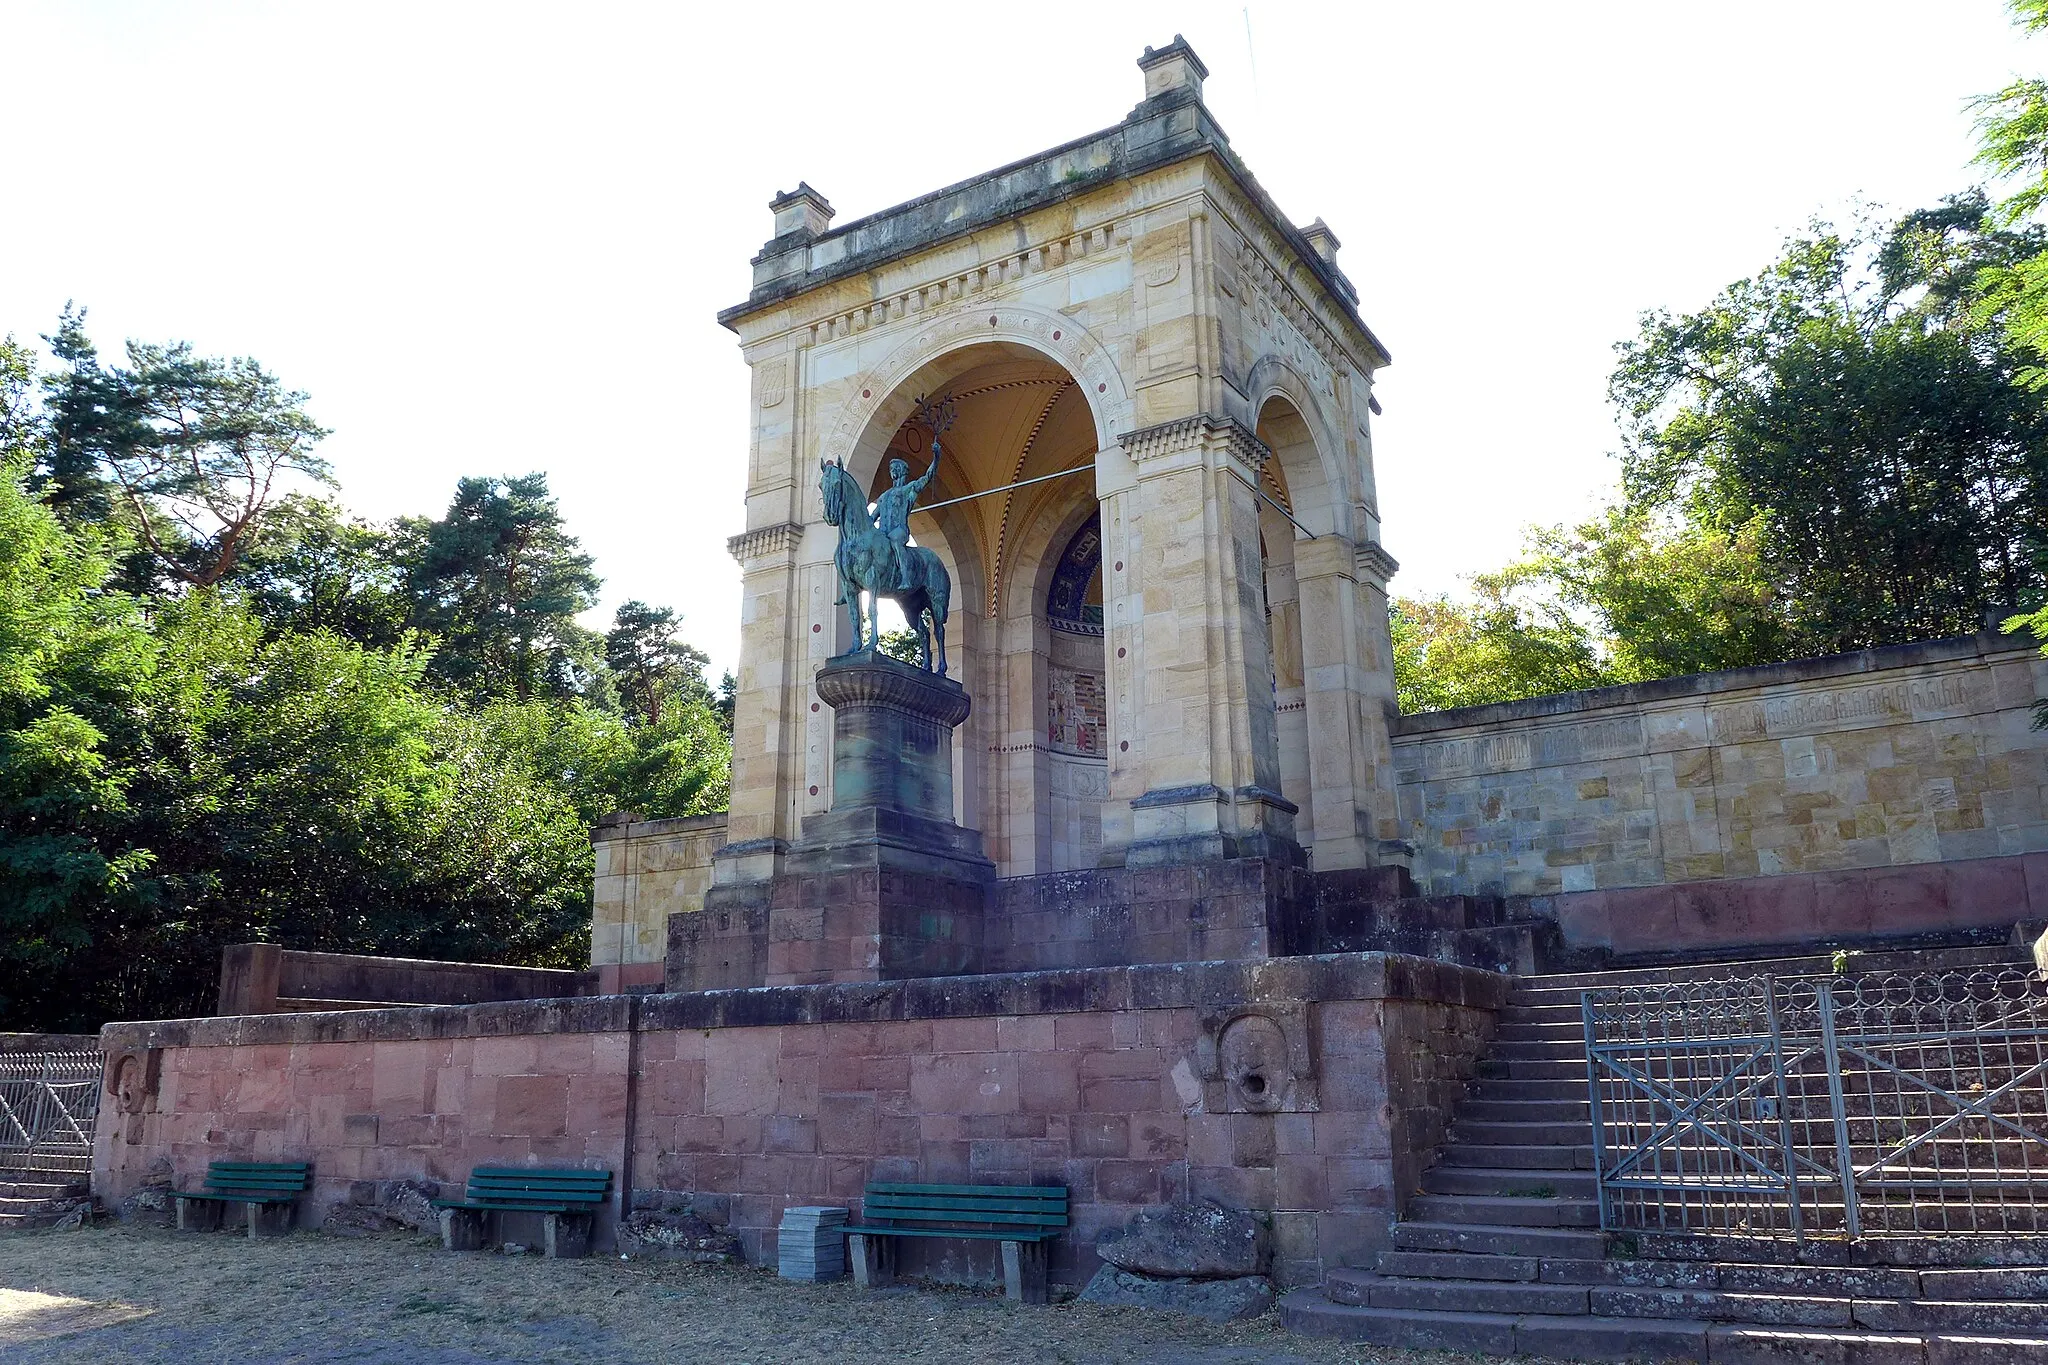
(134, 1294)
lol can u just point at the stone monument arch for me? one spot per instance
(1139, 343)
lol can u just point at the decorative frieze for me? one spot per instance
(764, 541)
(964, 284)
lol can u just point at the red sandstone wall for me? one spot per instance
(1105, 1100)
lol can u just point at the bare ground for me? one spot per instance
(145, 1295)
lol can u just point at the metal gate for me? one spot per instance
(49, 1098)
(1794, 1107)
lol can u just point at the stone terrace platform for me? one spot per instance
(1309, 1088)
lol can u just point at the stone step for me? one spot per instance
(1479, 1133)
(1558, 1050)
(1993, 1317)
(1506, 1210)
(1511, 1069)
(1483, 1239)
(1362, 1288)
(1570, 1030)
(1526, 1111)
(1715, 1305)
(1559, 1336)
(1863, 1282)
(1459, 1265)
(1508, 1181)
(1575, 1337)
(1532, 1157)
(1910, 959)
(1504, 1088)
(40, 1189)
(1541, 1016)
(2001, 1282)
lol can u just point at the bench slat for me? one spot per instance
(1008, 1235)
(1053, 1192)
(537, 1173)
(284, 1166)
(1006, 1221)
(937, 1201)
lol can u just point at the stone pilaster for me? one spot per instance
(1197, 654)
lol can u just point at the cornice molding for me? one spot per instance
(1375, 563)
(1201, 430)
(765, 540)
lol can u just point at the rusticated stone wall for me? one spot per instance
(1891, 758)
(1117, 1083)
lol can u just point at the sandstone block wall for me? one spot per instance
(1109, 1082)
(647, 870)
(1891, 758)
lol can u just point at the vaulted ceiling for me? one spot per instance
(1015, 419)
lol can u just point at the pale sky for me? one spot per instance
(490, 239)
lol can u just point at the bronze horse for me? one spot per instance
(866, 560)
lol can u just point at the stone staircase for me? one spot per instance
(38, 1198)
(1501, 1251)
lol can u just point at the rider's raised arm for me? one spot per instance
(921, 480)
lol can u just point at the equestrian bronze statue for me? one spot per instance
(875, 555)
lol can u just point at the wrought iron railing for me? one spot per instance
(1793, 1107)
(49, 1099)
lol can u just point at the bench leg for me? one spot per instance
(462, 1229)
(566, 1234)
(873, 1258)
(268, 1220)
(198, 1215)
(1024, 1272)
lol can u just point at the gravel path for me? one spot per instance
(143, 1295)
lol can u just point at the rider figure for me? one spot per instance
(892, 513)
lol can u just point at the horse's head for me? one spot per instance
(831, 480)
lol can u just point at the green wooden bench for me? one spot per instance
(266, 1190)
(566, 1199)
(1022, 1217)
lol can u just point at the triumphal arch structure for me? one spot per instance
(1156, 502)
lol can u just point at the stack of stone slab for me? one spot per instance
(811, 1243)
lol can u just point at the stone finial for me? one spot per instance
(1323, 240)
(1173, 67)
(802, 209)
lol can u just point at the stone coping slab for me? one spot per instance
(1198, 985)
(1918, 653)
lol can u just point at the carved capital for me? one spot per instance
(763, 541)
(1375, 564)
(1227, 434)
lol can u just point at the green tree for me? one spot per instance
(196, 450)
(310, 567)
(2013, 131)
(1508, 643)
(649, 660)
(74, 660)
(1846, 395)
(499, 582)
(1663, 598)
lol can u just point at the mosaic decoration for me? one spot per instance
(1074, 719)
(1067, 605)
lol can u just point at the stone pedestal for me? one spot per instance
(882, 886)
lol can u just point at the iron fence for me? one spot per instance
(48, 1102)
(1768, 1106)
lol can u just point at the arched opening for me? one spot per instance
(1077, 720)
(1015, 484)
(1286, 434)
